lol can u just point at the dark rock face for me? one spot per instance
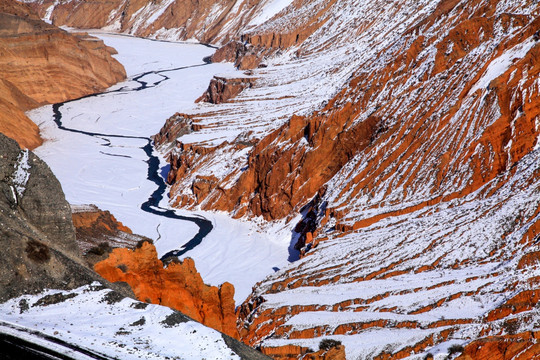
(223, 89)
(37, 236)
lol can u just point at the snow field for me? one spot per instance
(127, 329)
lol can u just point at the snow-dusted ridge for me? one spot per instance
(99, 320)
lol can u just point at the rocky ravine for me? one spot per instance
(407, 135)
(41, 64)
(420, 175)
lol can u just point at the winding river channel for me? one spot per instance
(100, 148)
(152, 204)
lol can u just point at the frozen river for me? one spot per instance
(101, 156)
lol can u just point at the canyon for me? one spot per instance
(41, 64)
(370, 169)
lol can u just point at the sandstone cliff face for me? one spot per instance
(98, 233)
(291, 352)
(259, 23)
(223, 89)
(41, 64)
(207, 20)
(380, 133)
(178, 285)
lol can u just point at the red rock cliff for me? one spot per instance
(390, 139)
(42, 64)
(178, 285)
(207, 20)
(425, 163)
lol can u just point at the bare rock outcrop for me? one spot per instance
(510, 347)
(292, 352)
(37, 235)
(42, 64)
(177, 285)
(222, 89)
(98, 233)
(243, 55)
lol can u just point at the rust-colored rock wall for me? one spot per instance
(426, 131)
(223, 89)
(293, 352)
(15, 124)
(522, 346)
(98, 232)
(432, 159)
(178, 285)
(276, 172)
(57, 66)
(41, 64)
(208, 21)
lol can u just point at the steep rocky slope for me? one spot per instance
(41, 64)
(38, 239)
(178, 285)
(411, 133)
(207, 21)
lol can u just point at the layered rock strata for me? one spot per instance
(223, 89)
(98, 233)
(207, 21)
(42, 64)
(177, 285)
(518, 346)
(425, 163)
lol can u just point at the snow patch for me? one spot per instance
(499, 66)
(126, 329)
(22, 172)
(270, 9)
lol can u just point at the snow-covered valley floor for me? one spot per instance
(111, 172)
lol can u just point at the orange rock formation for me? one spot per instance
(178, 285)
(98, 232)
(292, 352)
(97, 220)
(42, 64)
(223, 89)
(522, 346)
(204, 20)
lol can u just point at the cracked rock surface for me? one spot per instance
(36, 232)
